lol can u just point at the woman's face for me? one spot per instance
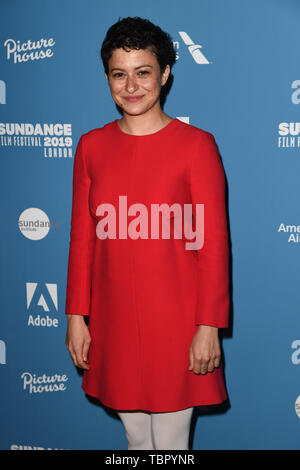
(135, 80)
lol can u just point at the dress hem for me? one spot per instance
(95, 395)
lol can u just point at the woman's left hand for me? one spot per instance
(205, 351)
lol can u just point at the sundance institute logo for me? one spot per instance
(138, 227)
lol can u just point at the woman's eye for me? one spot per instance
(120, 74)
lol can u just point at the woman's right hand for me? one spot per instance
(78, 340)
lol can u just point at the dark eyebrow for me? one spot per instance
(145, 65)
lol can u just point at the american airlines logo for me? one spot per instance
(194, 49)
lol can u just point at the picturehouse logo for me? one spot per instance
(19, 52)
(33, 383)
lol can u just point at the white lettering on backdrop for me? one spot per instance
(43, 383)
(28, 50)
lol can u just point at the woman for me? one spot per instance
(151, 349)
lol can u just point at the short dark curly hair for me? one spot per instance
(138, 33)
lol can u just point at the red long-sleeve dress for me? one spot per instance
(146, 296)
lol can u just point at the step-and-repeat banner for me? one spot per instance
(236, 76)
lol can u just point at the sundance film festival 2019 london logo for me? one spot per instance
(138, 227)
(32, 447)
(54, 139)
(289, 132)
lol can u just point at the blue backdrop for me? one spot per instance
(242, 84)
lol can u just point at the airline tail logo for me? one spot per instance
(194, 49)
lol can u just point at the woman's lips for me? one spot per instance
(133, 98)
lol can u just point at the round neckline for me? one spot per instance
(159, 132)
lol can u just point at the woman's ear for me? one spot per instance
(165, 75)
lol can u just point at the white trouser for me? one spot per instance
(145, 430)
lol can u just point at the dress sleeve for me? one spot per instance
(208, 187)
(82, 239)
